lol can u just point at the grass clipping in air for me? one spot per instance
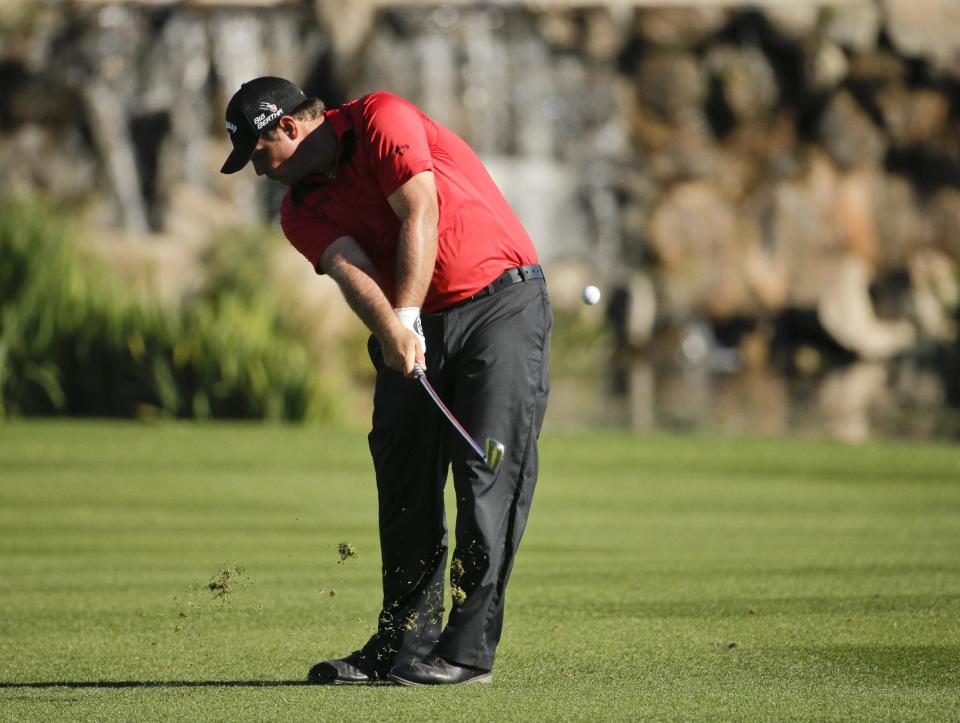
(346, 551)
(223, 583)
(457, 595)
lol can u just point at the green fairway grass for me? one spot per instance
(661, 577)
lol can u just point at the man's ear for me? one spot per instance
(289, 127)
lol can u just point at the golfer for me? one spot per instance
(404, 217)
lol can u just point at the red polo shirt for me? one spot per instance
(383, 141)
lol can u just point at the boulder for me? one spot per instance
(846, 312)
(348, 24)
(748, 82)
(641, 309)
(913, 117)
(689, 155)
(763, 153)
(899, 226)
(801, 232)
(52, 161)
(605, 34)
(671, 83)
(854, 213)
(794, 20)
(693, 234)
(114, 143)
(943, 213)
(828, 66)
(559, 27)
(854, 25)
(679, 27)
(935, 294)
(765, 272)
(880, 67)
(927, 29)
(849, 135)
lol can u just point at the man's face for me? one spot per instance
(286, 156)
(272, 155)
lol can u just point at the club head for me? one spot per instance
(493, 453)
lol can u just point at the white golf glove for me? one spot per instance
(409, 316)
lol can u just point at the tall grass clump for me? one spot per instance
(74, 340)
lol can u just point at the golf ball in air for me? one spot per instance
(590, 295)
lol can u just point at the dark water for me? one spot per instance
(853, 402)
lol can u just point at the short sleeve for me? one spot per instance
(308, 234)
(396, 140)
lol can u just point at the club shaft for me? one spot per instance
(422, 377)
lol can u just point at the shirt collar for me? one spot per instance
(339, 120)
(341, 124)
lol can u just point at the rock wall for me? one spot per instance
(714, 163)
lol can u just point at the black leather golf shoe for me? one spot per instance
(434, 670)
(341, 671)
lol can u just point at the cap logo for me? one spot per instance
(267, 106)
(265, 119)
(231, 127)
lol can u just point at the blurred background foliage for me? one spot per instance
(74, 339)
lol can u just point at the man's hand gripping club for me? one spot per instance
(406, 350)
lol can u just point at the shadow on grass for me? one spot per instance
(838, 606)
(854, 664)
(919, 666)
(156, 684)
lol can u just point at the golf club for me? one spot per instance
(492, 451)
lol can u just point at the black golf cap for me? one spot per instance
(255, 108)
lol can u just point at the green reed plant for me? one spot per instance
(74, 340)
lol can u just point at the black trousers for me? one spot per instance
(488, 359)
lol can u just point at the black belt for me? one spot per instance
(509, 278)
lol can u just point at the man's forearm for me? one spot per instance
(366, 298)
(415, 204)
(416, 256)
(348, 264)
